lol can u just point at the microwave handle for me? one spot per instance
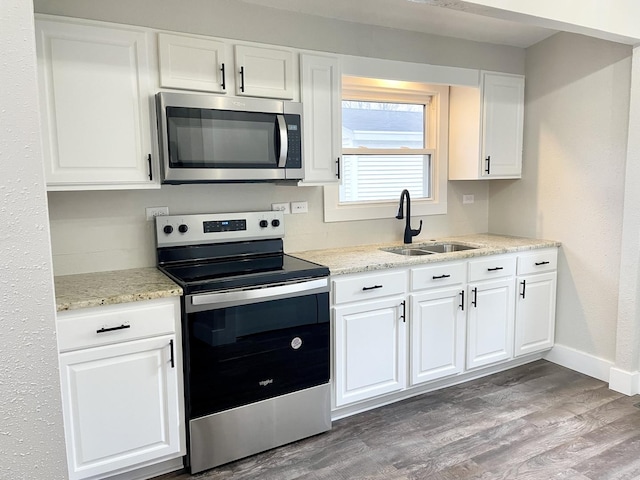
(284, 141)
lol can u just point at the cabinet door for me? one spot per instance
(95, 106)
(192, 63)
(502, 125)
(437, 334)
(370, 346)
(535, 313)
(264, 72)
(490, 322)
(321, 87)
(120, 405)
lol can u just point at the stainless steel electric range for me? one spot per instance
(255, 334)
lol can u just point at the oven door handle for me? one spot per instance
(231, 298)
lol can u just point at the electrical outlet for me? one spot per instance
(467, 199)
(153, 212)
(299, 207)
(281, 207)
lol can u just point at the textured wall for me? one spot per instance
(31, 434)
(628, 331)
(576, 117)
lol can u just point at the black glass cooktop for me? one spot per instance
(203, 270)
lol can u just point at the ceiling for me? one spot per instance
(417, 16)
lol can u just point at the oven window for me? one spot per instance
(240, 355)
(200, 138)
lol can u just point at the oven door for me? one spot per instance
(249, 345)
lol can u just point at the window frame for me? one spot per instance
(436, 134)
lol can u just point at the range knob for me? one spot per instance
(167, 229)
(264, 224)
(183, 228)
(275, 222)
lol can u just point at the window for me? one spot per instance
(392, 138)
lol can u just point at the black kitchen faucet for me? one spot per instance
(408, 232)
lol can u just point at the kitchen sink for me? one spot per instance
(429, 249)
(446, 247)
(410, 252)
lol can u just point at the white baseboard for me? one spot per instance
(591, 365)
(624, 382)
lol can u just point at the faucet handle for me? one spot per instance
(417, 232)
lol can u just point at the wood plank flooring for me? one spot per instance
(539, 421)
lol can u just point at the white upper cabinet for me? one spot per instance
(486, 128)
(96, 106)
(204, 64)
(192, 63)
(321, 86)
(264, 72)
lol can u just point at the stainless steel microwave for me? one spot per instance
(207, 138)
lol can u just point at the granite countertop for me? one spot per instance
(108, 288)
(370, 257)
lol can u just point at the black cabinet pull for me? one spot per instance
(242, 79)
(338, 168)
(150, 169)
(404, 311)
(495, 269)
(474, 302)
(524, 286)
(461, 306)
(112, 329)
(224, 83)
(173, 364)
(488, 169)
(364, 289)
(537, 264)
(437, 277)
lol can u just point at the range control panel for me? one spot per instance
(172, 230)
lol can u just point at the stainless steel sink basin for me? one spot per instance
(429, 249)
(410, 252)
(446, 247)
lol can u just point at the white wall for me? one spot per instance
(31, 433)
(572, 187)
(93, 231)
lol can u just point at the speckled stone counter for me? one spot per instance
(370, 257)
(109, 288)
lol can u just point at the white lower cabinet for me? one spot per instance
(120, 372)
(536, 302)
(437, 334)
(370, 346)
(405, 329)
(490, 322)
(491, 310)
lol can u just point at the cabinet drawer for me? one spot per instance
(365, 287)
(492, 267)
(115, 323)
(439, 275)
(540, 261)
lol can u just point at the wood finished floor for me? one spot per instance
(538, 421)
